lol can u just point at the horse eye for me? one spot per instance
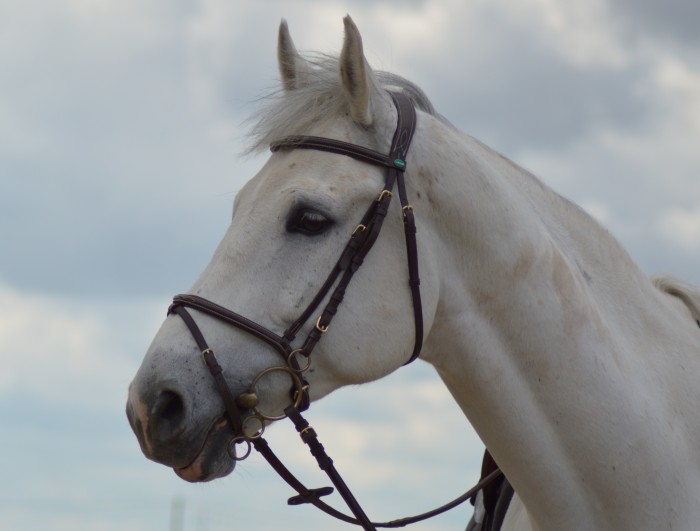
(308, 222)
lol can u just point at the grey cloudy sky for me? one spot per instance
(121, 128)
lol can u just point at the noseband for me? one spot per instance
(242, 411)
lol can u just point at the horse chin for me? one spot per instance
(212, 461)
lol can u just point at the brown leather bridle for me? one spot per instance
(242, 411)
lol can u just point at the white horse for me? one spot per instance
(578, 372)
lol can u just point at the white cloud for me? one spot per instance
(581, 32)
(459, 33)
(641, 182)
(62, 351)
(681, 227)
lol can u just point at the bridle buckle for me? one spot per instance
(319, 327)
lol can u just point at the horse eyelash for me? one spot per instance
(296, 217)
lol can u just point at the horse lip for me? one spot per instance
(194, 471)
(216, 425)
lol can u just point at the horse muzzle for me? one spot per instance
(172, 431)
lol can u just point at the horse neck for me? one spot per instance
(536, 335)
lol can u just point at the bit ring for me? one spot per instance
(292, 360)
(231, 448)
(298, 391)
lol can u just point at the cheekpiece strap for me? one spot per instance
(395, 162)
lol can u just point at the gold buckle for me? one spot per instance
(299, 394)
(204, 353)
(385, 193)
(308, 430)
(359, 228)
(322, 329)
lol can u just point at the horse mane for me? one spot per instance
(690, 295)
(320, 99)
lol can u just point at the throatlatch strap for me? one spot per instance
(402, 141)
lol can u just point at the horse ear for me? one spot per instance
(292, 66)
(354, 74)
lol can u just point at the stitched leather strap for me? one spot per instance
(312, 496)
(362, 241)
(338, 147)
(232, 411)
(232, 318)
(402, 139)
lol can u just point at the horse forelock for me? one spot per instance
(319, 100)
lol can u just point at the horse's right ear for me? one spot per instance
(292, 66)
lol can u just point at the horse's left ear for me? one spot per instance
(354, 74)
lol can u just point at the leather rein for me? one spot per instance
(242, 411)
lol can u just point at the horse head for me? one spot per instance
(291, 223)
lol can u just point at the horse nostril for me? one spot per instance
(167, 416)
